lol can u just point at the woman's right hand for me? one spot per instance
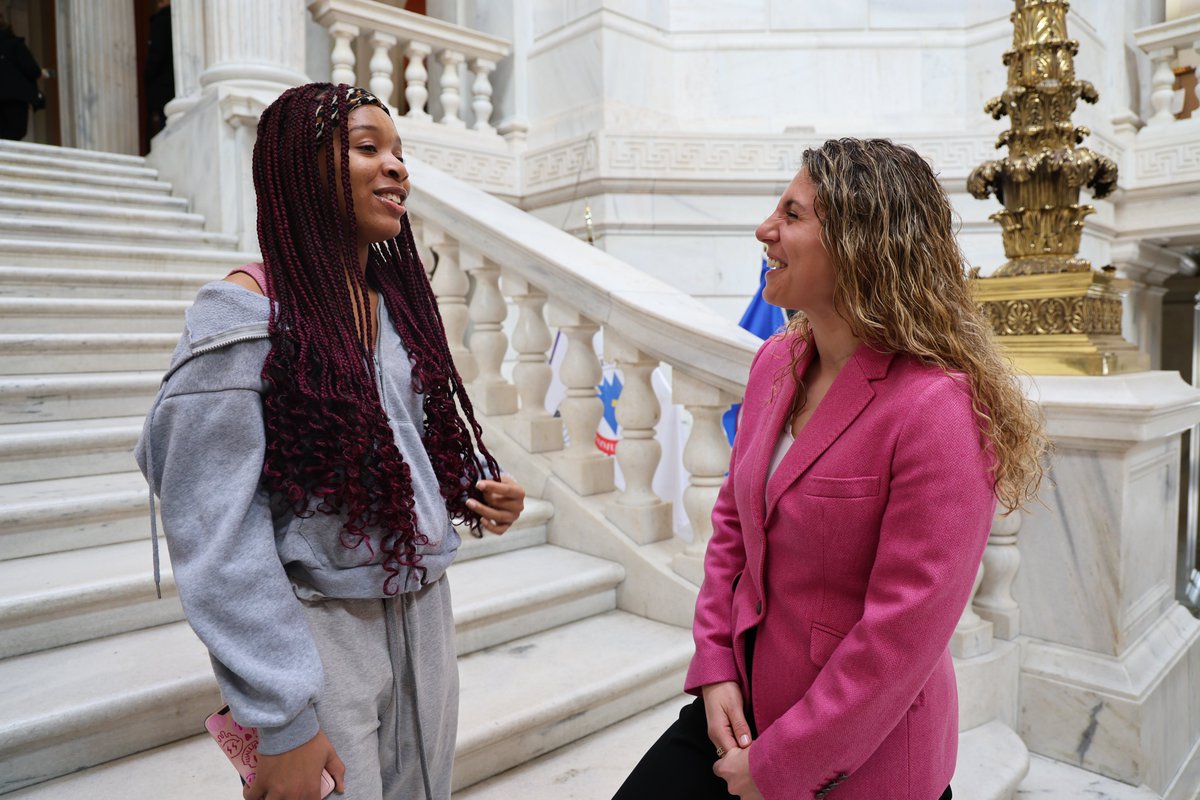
(727, 726)
(296, 774)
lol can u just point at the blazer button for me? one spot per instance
(758, 608)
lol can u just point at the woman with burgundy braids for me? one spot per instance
(311, 446)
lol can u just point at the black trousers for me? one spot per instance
(679, 765)
(14, 119)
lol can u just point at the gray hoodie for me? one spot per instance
(240, 563)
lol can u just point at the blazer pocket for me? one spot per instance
(817, 486)
(822, 641)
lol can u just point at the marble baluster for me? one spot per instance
(580, 465)
(1001, 559)
(342, 58)
(416, 77)
(450, 97)
(534, 428)
(637, 510)
(706, 458)
(481, 90)
(1162, 86)
(381, 65)
(972, 635)
(451, 285)
(490, 392)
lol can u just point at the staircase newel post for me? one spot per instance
(706, 458)
(491, 393)
(637, 510)
(581, 465)
(534, 428)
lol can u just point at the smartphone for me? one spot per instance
(240, 746)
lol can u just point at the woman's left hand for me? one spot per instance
(734, 769)
(503, 502)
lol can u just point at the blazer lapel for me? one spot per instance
(767, 434)
(845, 400)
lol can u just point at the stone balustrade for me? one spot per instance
(1163, 43)
(393, 34)
(554, 281)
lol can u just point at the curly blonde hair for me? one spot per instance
(888, 228)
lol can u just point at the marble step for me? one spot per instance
(591, 768)
(83, 395)
(92, 156)
(100, 283)
(1053, 780)
(71, 230)
(992, 761)
(525, 591)
(36, 451)
(139, 198)
(84, 704)
(532, 695)
(104, 315)
(52, 254)
(68, 164)
(36, 353)
(50, 516)
(64, 598)
(98, 212)
(59, 599)
(24, 172)
(62, 717)
(588, 769)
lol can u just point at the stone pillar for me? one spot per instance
(1109, 659)
(1148, 266)
(101, 75)
(252, 52)
(187, 48)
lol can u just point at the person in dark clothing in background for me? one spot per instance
(18, 83)
(159, 75)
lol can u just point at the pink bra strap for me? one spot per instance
(255, 270)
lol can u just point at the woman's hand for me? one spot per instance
(727, 727)
(296, 774)
(503, 502)
(734, 769)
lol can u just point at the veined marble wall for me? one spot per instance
(673, 69)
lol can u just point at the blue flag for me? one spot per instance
(762, 319)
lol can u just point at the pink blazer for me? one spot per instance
(854, 561)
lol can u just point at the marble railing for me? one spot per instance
(554, 280)
(1163, 43)
(420, 38)
(492, 257)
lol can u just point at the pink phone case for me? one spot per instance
(240, 746)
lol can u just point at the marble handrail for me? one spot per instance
(662, 321)
(423, 37)
(1162, 43)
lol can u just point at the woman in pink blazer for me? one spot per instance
(877, 434)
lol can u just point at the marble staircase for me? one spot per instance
(97, 263)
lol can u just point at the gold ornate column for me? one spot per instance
(1050, 310)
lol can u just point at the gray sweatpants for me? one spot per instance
(390, 702)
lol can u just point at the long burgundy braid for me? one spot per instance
(328, 437)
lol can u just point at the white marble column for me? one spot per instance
(187, 48)
(1148, 266)
(1109, 659)
(101, 74)
(254, 45)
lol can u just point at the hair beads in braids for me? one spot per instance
(329, 446)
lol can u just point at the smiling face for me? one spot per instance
(378, 177)
(800, 273)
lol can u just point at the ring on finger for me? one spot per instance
(720, 751)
